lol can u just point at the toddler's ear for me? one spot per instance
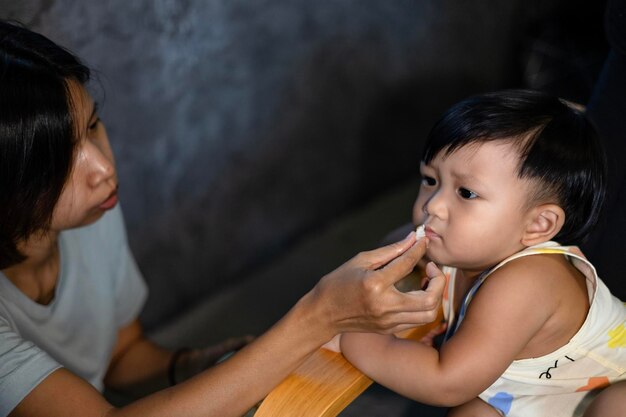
(544, 222)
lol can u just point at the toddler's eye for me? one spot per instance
(429, 181)
(467, 194)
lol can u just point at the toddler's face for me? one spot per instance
(474, 205)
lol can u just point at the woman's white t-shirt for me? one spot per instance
(99, 290)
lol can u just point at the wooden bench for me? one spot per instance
(323, 385)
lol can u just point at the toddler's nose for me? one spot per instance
(435, 206)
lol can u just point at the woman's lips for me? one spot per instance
(110, 202)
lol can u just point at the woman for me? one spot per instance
(70, 291)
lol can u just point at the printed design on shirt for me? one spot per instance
(547, 373)
(548, 250)
(617, 337)
(501, 401)
(594, 383)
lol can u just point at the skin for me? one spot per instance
(358, 296)
(610, 402)
(474, 195)
(92, 181)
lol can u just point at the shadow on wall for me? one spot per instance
(397, 124)
(241, 126)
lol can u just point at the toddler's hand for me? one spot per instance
(429, 337)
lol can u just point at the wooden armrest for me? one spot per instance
(324, 384)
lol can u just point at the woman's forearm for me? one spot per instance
(136, 361)
(231, 388)
(228, 389)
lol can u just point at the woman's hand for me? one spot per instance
(360, 296)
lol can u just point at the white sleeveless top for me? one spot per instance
(563, 382)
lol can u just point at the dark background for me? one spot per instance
(240, 127)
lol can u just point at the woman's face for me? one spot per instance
(91, 189)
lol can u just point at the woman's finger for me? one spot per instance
(376, 258)
(415, 308)
(432, 270)
(402, 265)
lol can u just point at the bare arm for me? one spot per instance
(136, 358)
(358, 296)
(504, 316)
(140, 366)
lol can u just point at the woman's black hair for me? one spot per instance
(37, 133)
(558, 148)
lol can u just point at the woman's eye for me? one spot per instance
(94, 124)
(429, 181)
(467, 194)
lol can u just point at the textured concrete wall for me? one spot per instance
(239, 125)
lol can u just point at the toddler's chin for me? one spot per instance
(439, 257)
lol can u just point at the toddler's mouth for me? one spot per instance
(430, 233)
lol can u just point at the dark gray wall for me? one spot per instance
(240, 125)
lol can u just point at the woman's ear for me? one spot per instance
(544, 222)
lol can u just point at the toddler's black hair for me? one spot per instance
(558, 147)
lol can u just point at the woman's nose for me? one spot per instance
(102, 167)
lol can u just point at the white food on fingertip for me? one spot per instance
(419, 232)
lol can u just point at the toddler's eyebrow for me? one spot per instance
(467, 177)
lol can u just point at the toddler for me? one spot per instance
(532, 330)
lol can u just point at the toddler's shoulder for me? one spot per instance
(537, 279)
(546, 267)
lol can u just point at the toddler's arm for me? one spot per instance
(510, 308)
